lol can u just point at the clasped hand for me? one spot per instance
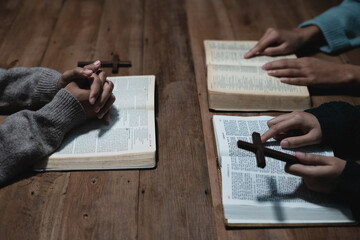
(318, 172)
(97, 98)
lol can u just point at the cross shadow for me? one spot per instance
(275, 198)
(301, 192)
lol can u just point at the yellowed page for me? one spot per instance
(248, 79)
(232, 53)
(130, 132)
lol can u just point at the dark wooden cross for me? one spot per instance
(115, 64)
(260, 151)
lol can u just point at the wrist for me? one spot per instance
(310, 34)
(351, 75)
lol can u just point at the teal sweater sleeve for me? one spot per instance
(340, 26)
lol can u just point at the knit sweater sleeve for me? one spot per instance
(340, 26)
(340, 127)
(28, 136)
(24, 88)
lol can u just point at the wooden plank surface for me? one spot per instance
(248, 20)
(175, 200)
(180, 198)
(98, 204)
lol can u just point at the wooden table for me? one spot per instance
(180, 199)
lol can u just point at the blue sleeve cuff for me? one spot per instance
(340, 26)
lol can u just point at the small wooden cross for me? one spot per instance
(260, 151)
(115, 64)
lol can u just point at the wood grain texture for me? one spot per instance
(28, 34)
(248, 20)
(98, 205)
(175, 200)
(180, 199)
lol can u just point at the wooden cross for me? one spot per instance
(260, 151)
(115, 64)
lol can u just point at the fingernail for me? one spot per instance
(87, 71)
(100, 116)
(263, 67)
(284, 144)
(97, 63)
(97, 109)
(270, 72)
(300, 155)
(92, 100)
(283, 79)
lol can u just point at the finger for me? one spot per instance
(299, 141)
(287, 73)
(299, 81)
(96, 87)
(264, 42)
(281, 64)
(107, 117)
(277, 50)
(312, 165)
(281, 127)
(106, 93)
(106, 108)
(284, 135)
(279, 118)
(95, 66)
(71, 75)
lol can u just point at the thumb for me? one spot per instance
(311, 159)
(74, 74)
(309, 167)
(94, 67)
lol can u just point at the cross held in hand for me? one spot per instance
(115, 64)
(260, 151)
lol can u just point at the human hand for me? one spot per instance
(284, 128)
(312, 72)
(100, 88)
(319, 173)
(86, 73)
(280, 42)
(83, 74)
(82, 95)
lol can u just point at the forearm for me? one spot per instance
(311, 35)
(22, 88)
(28, 136)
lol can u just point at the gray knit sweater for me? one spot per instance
(30, 135)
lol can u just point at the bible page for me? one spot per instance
(270, 189)
(132, 125)
(249, 79)
(232, 53)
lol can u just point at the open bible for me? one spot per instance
(238, 84)
(253, 196)
(128, 141)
